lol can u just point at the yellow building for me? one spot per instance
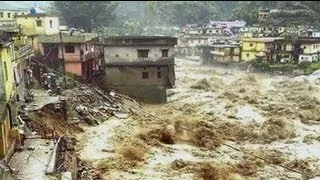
(256, 47)
(10, 14)
(33, 25)
(8, 134)
(225, 53)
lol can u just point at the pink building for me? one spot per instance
(81, 56)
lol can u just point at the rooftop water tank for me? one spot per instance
(32, 11)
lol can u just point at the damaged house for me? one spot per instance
(141, 67)
(77, 52)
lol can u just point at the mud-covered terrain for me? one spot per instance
(218, 124)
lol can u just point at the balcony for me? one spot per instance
(23, 50)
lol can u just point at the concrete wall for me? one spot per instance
(131, 53)
(12, 14)
(247, 56)
(6, 59)
(29, 25)
(132, 76)
(54, 29)
(145, 93)
(74, 68)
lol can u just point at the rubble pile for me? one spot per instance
(94, 106)
(66, 160)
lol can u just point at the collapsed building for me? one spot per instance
(220, 53)
(141, 66)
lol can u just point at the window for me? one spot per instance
(9, 15)
(210, 31)
(251, 45)
(5, 70)
(143, 53)
(69, 49)
(86, 47)
(117, 55)
(1, 14)
(15, 14)
(159, 75)
(39, 23)
(50, 23)
(145, 75)
(304, 47)
(22, 13)
(248, 54)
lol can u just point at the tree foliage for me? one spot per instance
(86, 14)
(291, 13)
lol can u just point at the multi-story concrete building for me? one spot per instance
(220, 53)
(10, 14)
(81, 57)
(9, 134)
(141, 67)
(35, 24)
(257, 47)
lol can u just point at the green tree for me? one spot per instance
(86, 14)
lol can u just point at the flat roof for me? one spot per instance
(139, 37)
(66, 38)
(15, 9)
(261, 39)
(36, 15)
(221, 45)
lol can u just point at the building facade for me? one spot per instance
(220, 53)
(141, 67)
(253, 48)
(33, 25)
(9, 134)
(78, 53)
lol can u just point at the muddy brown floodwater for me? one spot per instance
(210, 109)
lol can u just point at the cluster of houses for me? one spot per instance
(233, 41)
(139, 66)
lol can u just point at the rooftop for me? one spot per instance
(36, 15)
(140, 40)
(140, 37)
(270, 39)
(15, 9)
(221, 45)
(66, 38)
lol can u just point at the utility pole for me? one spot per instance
(63, 63)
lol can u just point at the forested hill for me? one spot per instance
(173, 13)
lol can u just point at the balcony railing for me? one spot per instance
(25, 50)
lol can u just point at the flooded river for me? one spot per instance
(275, 118)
